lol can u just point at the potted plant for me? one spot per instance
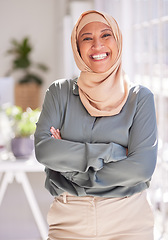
(23, 125)
(27, 88)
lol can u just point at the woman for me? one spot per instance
(97, 137)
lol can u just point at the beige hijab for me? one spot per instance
(102, 94)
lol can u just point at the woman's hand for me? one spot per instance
(55, 133)
(126, 151)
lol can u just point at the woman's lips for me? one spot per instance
(100, 56)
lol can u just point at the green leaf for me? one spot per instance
(42, 67)
(23, 123)
(20, 50)
(21, 63)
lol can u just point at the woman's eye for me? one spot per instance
(87, 39)
(106, 35)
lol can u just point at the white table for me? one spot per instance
(17, 169)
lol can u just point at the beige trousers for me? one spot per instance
(79, 218)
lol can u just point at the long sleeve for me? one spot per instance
(140, 163)
(90, 159)
(63, 155)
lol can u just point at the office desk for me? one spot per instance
(17, 169)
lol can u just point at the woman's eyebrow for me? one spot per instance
(106, 29)
(86, 34)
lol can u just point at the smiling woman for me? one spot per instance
(103, 86)
(97, 137)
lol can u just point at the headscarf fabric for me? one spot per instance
(102, 94)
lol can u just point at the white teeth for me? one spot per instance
(99, 56)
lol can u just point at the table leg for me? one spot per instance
(23, 180)
(7, 178)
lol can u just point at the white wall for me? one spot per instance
(41, 20)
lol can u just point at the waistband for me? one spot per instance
(65, 197)
(68, 197)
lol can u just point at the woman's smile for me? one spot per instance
(98, 57)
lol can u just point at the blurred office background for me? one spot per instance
(48, 24)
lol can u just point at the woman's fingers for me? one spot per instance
(55, 133)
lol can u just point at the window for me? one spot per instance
(150, 38)
(150, 33)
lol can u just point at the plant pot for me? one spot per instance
(27, 95)
(22, 147)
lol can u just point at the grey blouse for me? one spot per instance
(90, 159)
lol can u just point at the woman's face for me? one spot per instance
(97, 46)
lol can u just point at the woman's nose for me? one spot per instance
(97, 44)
